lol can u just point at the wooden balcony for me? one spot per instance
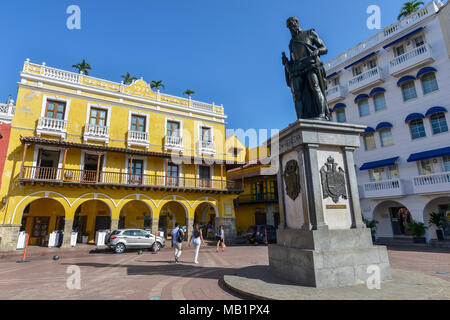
(43, 175)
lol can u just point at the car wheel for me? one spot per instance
(120, 248)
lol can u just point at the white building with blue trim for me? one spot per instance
(397, 83)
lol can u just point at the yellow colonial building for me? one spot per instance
(258, 204)
(87, 154)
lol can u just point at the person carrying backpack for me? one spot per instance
(220, 237)
(177, 241)
(197, 240)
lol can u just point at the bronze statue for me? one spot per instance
(305, 74)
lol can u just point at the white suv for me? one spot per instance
(122, 239)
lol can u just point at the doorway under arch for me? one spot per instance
(90, 217)
(136, 214)
(40, 218)
(171, 213)
(438, 205)
(393, 218)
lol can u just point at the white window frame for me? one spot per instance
(199, 131)
(36, 155)
(143, 158)
(132, 113)
(98, 106)
(83, 157)
(167, 119)
(45, 98)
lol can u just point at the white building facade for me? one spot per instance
(397, 83)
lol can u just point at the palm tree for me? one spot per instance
(127, 79)
(188, 92)
(409, 8)
(82, 67)
(157, 84)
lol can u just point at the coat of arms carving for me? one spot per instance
(333, 181)
(292, 179)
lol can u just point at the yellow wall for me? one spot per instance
(29, 104)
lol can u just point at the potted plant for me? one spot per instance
(85, 237)
(436, 220)
(372, 225)
(418, 231)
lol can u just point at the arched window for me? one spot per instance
(409, 90)
(363, 106)
(379, 101)
(417, 129)
(438, 123)
(386, 137)
(429, 83)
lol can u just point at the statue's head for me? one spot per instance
(293, 24)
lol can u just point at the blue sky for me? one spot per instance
(228, 51)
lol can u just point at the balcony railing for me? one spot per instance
(59, 175)
(411, 59)
(387, 33)
(7, 110)
(138, 138)
(335, 93)
(43, 71)
(433, 183)
(173, 142)
(51, 126)
(257, 198)
(206, 147)
(383, 189)
(365, 79)
(96, 132)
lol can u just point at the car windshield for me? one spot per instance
(115, 233)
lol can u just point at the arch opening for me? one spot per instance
(90, 217)
(172, 212)
(136, 214)
(40, 218)
(393, 218)
(441, 206)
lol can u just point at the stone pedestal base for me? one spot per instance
(327, 258)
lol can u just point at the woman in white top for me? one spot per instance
(197, 240)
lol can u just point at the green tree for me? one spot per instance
(157, 84)
(409, 8)
(128, 79)
(83, 66)
(189, 92)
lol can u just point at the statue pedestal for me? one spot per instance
(322, 240)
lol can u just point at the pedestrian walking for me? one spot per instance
(177, 241)
(220, 237)
(197, 240)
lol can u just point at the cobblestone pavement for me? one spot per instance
(157, 277)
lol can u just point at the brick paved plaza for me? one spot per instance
(132, 276)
